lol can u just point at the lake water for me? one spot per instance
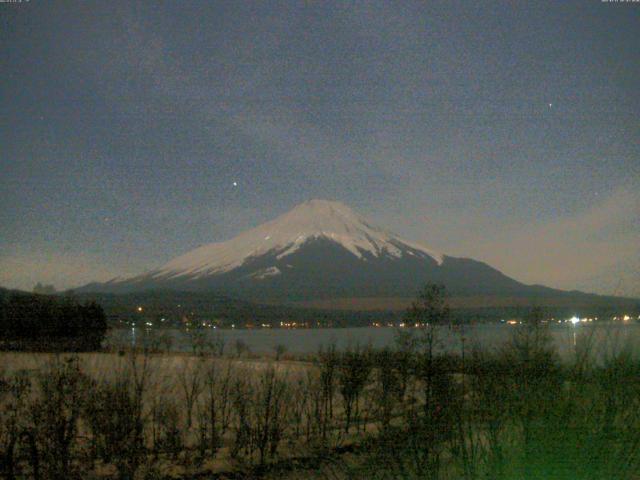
(607, 337)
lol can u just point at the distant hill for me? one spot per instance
(178, 308)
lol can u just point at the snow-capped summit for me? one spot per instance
(319, 250)
(311, 220)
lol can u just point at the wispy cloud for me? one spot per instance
(23, 270)
(566, 252)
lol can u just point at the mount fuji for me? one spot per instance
(323, 251)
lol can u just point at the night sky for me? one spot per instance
(508, 132)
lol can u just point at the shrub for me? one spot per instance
(55, 416)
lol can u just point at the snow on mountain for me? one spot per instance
(265, 272)
(315, 219)
(322, 251)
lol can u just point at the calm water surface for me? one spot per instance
(605, 337)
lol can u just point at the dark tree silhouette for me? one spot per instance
(48, 322)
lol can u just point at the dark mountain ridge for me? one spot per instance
(322, 251)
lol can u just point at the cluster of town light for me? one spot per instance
(575, 320)
(287, 324)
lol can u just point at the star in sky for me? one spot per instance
(366, 108)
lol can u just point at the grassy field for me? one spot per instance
(164, 366)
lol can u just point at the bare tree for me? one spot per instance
(241, 347)
(190, 382)
(431, 427)
(117, 419)
(14, 402)
(168, 436)
(242, 392)
(328, 362)
(55, 415)
(388, 392)
(280, 349)
(353, 373)
(268, 413)
(219, 342)
(300, 392)
(212, 408)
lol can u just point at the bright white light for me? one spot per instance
(574, 320)
(235, 184)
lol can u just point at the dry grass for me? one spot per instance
(104, 365)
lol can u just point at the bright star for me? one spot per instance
(235, 184)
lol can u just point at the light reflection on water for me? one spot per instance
(605, 338)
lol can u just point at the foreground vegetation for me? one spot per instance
(405, 412)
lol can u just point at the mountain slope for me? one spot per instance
(316, 219)
(322, 250)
